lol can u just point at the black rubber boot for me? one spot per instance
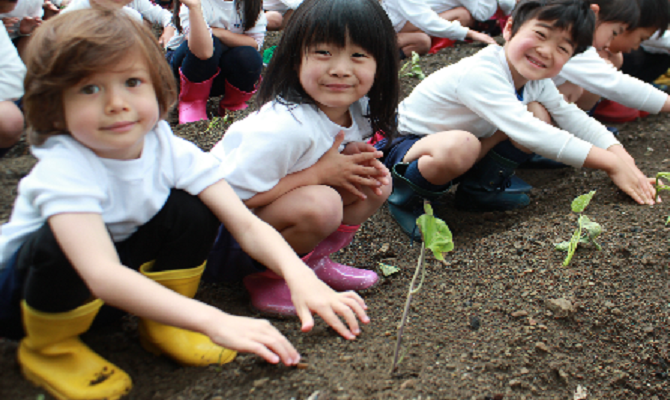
(482, 188)
(406, 201)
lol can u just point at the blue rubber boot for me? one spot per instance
(482, 188)
(518, 185)
(406, 201)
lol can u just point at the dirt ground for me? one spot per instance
(481, 328)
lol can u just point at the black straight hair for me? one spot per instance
(252, 10)
(574, 16)
(654, 14)
(626, 11)
(314, 22)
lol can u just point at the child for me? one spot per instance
(332, 55)
(588, 77)
(492, 95)
(12, 72)
(415, 21)
(216, 54)
(139, 9)
(22, 20)
(118, 210)
(278, 12)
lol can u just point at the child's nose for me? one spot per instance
(340, 67)
(116, 101)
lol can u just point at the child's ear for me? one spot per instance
(596, 9)
(507, 29)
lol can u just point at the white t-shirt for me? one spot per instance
(24, 8)
(281, 5)
(221, 14)
(658, 44)
(591, 72)
(12, 69)
(477, 95)
(481, 10)
(419, 13)
(279, 140)
(69, 177)
(86, 4)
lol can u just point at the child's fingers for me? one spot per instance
(306, 318)
(357, 305)
(346, 311)
(355, 191)
(334, 322)
(275, 343)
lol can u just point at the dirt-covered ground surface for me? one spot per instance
(483, 327)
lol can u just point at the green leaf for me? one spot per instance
(414, 67)
(388, 270)
(563, 246)
(436, 234)
(667, 220)
(580, 202)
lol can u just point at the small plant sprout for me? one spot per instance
(660, 187)
(217, 123)
(414, 68)
(437, 238)
(586, 232)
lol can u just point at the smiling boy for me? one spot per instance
(452, 121)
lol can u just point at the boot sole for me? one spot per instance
(39, 382)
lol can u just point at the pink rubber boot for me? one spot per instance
(338, 276)
(193, 99)
(235, 99)
(269, 293)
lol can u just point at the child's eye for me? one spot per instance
(540, 34)
(359, 55)
(90, 89)
(133, 82)
(322, 52)
(564, 49)
(615, 33)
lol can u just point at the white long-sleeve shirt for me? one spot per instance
(12, 69)
(279, 140)
(591, 72)
(86, 4)
(658, 44)
(24, 8)
(481, 10)
(221, 14)
(419, 13)
(477, 95)
(70, 178)
(138, 9)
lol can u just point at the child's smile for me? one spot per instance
(537, 51)
(110, 112)
(337, 77)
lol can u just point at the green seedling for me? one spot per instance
(660, 187)
(438, 239)
(586, 232)
(414, 68)
(217, 123)
(388, 270)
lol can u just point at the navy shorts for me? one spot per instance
(11, 284)
(399, 147)
(227, 262)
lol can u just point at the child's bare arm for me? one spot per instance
(263, 243)
(332, 169)
(85, 241)
(635, 184)
(199, 39)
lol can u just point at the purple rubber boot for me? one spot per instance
(338, 276)
(269, 293)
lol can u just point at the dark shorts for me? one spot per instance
(11, 283)
(227, 262)
(399, 147)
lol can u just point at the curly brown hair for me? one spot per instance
(71, 47)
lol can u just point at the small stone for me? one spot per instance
(649, 329)
(450, 367)
(520, 313)
(261, 382)
(524, 371)
(475, 323)
(541, 347)
(408, 384)
(217, 398)
(514, 383)
(609, 304)
(617, 312)
(561, 308)
(302, 365)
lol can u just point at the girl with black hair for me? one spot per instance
(301, 162)
(216, 54)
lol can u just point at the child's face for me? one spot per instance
(537, 51)
(7, 6)
(337, 77)
(110, 112)
(606, 32)
(631, 40)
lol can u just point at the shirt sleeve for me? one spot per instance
(12, 69)
(658, 43)
(423, 17)
(152, 12)
(592, 73)
(490, 96)
(481, 10)
(257, 32)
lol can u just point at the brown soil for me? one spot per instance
(503, 270)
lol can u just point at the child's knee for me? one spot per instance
(571, 92)
(423, 44)
(320, 210)
(11, 123)
(275, 20)
(465, 153)
(539, 111)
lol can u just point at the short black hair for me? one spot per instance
(653, 14)
(575, 16)
(625, 11)
(366, 24)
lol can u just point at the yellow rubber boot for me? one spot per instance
(52, 356)
(184, 346)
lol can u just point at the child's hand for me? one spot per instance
(168, 32)
(28, 25)
(9, 22)
(258, 336)
(480, 37)
(351, 171)
(50, 9)
(633, 182)
(309, 294)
